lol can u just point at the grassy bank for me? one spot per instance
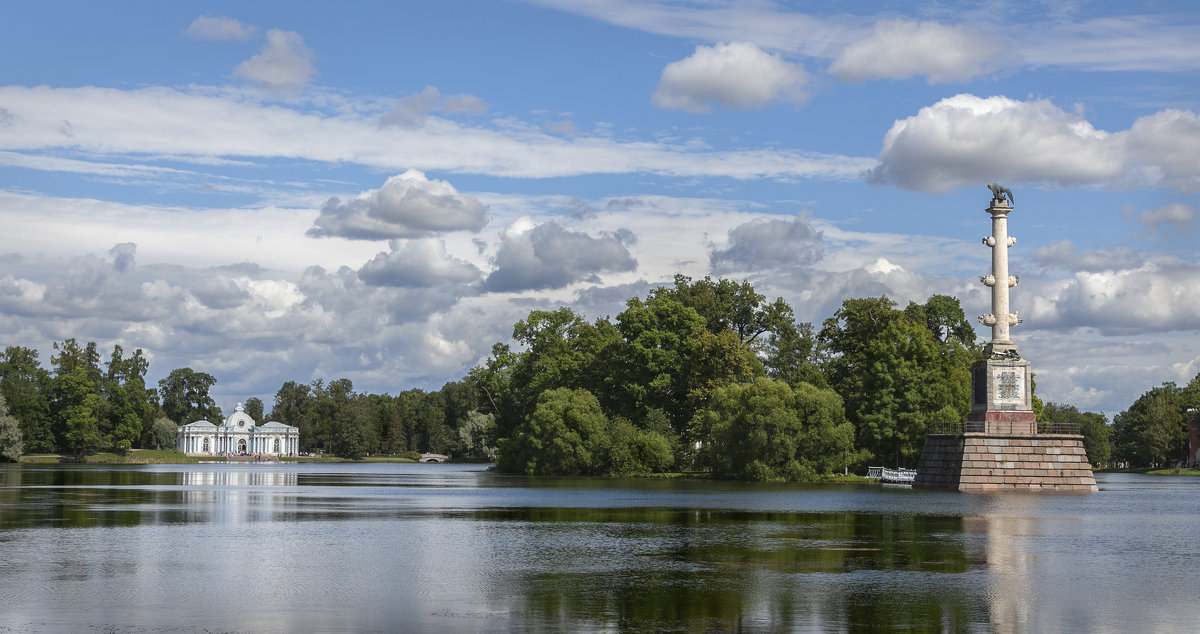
(137, 456)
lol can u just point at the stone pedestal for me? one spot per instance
(980, 462)
(1002, 397)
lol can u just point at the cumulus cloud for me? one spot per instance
(123, 256)
(408, 205)
(220, 28)
(283, 65)
(219, 293)
(410, 111)
(734, 75)
(1172, 219)
(549, 256)
(418, 263)
(1063, 255)
(1165, 148)
(770, 243)
(966, 139)
(899, 49)
(1152, 297)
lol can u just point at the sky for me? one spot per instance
(275, 192)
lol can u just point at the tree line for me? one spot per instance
(701, 375)
(84, 404)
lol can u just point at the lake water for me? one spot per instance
(405, 547)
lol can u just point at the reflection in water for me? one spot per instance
(1009, 562)
(280, 548)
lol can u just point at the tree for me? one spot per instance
(185, 398)
(131, 407)
(1096, 432)
(565, 435)
(11, 445)
(27, 387)
(894, 374)
(254, 408)
(474, 432)
(1153, 429)
(292, 402)
(162, 433)
(77, 403)
(728, 305)
(353, 431)
(765, 430)
(670, 362)
(633, 451)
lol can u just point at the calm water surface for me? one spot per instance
(390, 547)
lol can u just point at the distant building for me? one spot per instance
(238, 435)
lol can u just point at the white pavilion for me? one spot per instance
(238, 435)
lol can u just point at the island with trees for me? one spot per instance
(705, 376)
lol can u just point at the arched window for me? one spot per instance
(205, 445)
(241, 445)
(276, 445)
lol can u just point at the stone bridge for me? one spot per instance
(433, 457)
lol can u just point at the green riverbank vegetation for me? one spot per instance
(701, 376)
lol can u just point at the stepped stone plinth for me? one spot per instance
(1000, 447)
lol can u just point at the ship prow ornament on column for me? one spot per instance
(1000, 447)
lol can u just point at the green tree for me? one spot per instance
(765, 430)
(474, 432)
(80, 406)
(1096, 431)
(254, 408)
(634, 452)
(26, 386)
(670, 362)
(162, 434)
(11, 445)
(185, 398)
(895, 375)
(354, 431)
(131, 407)
(292, 403)
(1153, 430)
(425, 417)
(77, 404)
(728, 305)
(565, 435)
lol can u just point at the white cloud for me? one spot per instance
(1121, 42)
(418, 263)
(1063, 255)
(899, 49)
(220, 28)
(163, 122)
(123, 256)
(284, 64)
(408, 205)
(734, 75)
(549, 256)
(965, 139)
(770, 243)
(410, 111)
(1154, 297)
(1166, 148)
(1171, 220)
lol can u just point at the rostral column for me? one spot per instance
(1001, 385)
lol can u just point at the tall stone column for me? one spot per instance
(1002, 400)
(999, 280)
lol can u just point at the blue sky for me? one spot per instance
(289, 191)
